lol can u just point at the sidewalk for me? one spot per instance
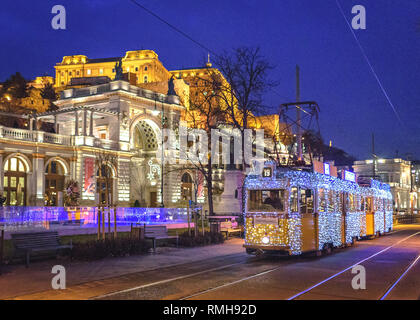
(17, 280)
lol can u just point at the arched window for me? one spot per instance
(186, 186)
(186, 178)
(14, 182)
(54, 182)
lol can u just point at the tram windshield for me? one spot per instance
(266, 200)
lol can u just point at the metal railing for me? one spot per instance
(407, 219)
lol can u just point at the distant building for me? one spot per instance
(144, 63)
(398, 173)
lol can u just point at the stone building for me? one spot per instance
(120, 119)
(115, 118)
(144, 64)
(398, 174)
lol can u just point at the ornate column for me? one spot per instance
(55, 124)
(76, 126)
(91, 124)
(73, 168)
(38, 178)
(84, 122)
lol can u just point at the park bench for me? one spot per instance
(227, 227)
(37, 242)
(154, 233)
(157, 233)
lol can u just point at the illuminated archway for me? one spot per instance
(145, 137)
(55, 173)
(141, 125)
(186, 186)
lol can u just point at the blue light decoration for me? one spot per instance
(28, 218)
(288, 233)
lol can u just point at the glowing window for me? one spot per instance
(306, 200)
(322, 200)
(266, 200)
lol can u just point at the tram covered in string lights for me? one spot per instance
(297, 211)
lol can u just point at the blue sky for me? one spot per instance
(311, 33)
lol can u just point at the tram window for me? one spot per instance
(294, 200)
(322, 200)
(351, 203)
(306, 201)
(330, 201)
(266, 200)
(368, 204)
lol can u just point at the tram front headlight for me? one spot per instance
(266, 240)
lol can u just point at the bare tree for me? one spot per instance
(104, 162)
(206, 113)
(246, 73)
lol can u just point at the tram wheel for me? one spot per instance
(250, 251)
(327, 248)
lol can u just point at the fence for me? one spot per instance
(407, 219)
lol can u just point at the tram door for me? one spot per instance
(370, 221)
(309, 229)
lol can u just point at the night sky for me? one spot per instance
(311, 33)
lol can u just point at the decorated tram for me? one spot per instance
(297, 211)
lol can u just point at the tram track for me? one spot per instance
(400, 278)
(198, 294)
(246, 260)
(198, 276)
(300, 294)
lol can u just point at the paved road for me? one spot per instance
(239, 276)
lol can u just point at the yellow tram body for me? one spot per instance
(299, 211)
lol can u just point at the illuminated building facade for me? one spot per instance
(144, 64)
(398, 174)
(115, 118)
(119, 118)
